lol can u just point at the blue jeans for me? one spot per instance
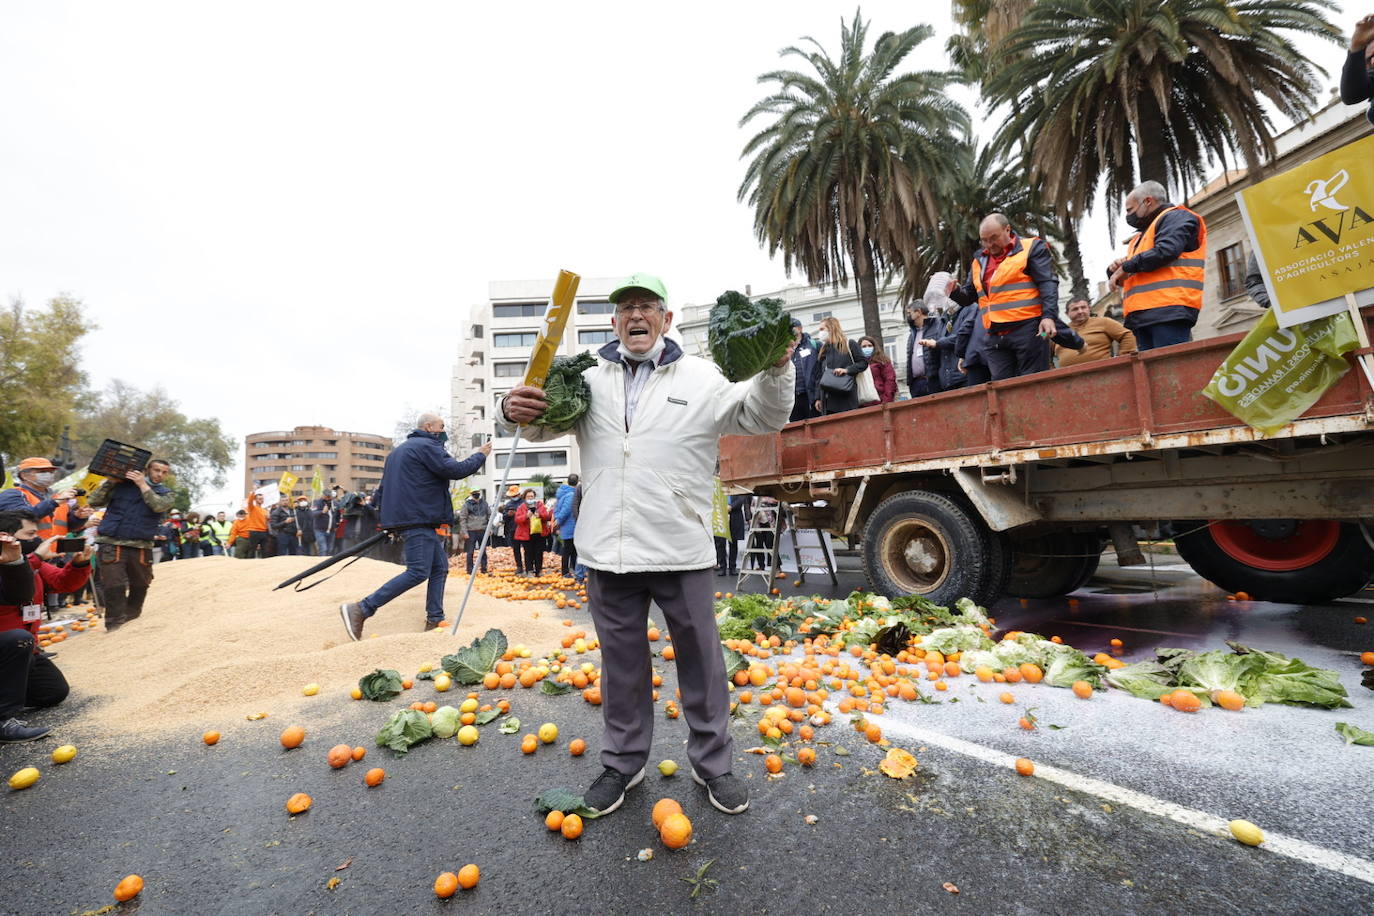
(425, 559)
(323, 542)
(1163, 334)
(286, 545)
(470, 545)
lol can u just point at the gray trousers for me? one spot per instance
(620, 611)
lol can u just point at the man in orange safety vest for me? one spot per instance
(1161, 277)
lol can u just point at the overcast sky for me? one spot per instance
(278, 211)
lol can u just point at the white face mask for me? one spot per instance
(44, 478)
(653, 353)
(531, 501)
(866, 351)
(823, 335)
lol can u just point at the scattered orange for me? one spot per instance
(676, 831)
(1242, 596)
(1007, 698)
(1116, 642)
(1032, 673)
(653, 634)
(468, 876)
(529, 744)
(340, 755)
(1184, 701)
(128, 889)
(1082, 689)
(210, 737)
(664, 807)
(806, 756)
(577, 747)
(554, 820)
(1229, 699)
(872, 733)
(298, 803)
(359, 752)
(1024, 766)
(446, 885)
(669, 653)
(772, 763)
(571, 827)
(374, 777)
(292, 737)
(1367, 658)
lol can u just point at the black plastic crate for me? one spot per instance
(114, 459)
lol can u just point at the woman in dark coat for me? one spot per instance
(839, 356)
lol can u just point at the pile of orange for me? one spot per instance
(502, 581)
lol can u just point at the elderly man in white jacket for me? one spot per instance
(649, 445)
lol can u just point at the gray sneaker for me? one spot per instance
(608, 792)
(353, 619)
(15, 731)
(726, 792)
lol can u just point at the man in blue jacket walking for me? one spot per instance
(414, 502)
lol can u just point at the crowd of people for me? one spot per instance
(1004, 322)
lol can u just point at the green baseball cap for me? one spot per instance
(641, 281)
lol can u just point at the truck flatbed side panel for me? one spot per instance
(1124, 398)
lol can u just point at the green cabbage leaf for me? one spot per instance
(747, 337)
(566, 392)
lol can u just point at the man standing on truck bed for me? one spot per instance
(650, 441)
(1161, 278)
(1013, 282)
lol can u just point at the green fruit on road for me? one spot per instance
(24, 778)
(667, 767)
(1246, 832)
(468, 735)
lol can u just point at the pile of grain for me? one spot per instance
(216, 643)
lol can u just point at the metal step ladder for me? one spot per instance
(802, 565)
(759, 523)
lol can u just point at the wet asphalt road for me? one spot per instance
(212, 837)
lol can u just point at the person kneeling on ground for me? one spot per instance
(644, 533)
(28, 677)
(415, 499)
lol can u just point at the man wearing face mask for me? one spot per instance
(803, 359)
(1357, 76)
(27, 676)
(414, 496)
(134, 508)
(1162, 275)
(1017, 293)
(57, 513)
(649, 445)
(305, 526)
(922, 353)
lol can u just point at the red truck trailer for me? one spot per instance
(1016, 486)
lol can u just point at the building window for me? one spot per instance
(477, 330)
(599, 336)
(479, 413)
(594, 308)
(819, 315)
(534, 459)
(331, 442)
(517, 339)
(888, 344)
(518, 310)
(479, 384)
(300, 467)
(1231, 266)
(507, 370)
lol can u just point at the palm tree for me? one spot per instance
(979, 182)
(1132, 90)
(983, 25)
(839, 180)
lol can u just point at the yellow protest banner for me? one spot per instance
(317, 483)
(1312, 228)
(287, 483)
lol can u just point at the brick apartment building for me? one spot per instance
(352, 460)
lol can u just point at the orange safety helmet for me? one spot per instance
(36, 464)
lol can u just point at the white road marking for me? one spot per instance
(1320, 856)
(1355, 600)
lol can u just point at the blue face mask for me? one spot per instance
(866, 351)
(442, 437)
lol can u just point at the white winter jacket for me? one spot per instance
(646, 493)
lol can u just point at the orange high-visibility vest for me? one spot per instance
(55, 524)
(1177, 283)
(1011, 295)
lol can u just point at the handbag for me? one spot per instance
(868, 392)
(837, 384)
(536, 524)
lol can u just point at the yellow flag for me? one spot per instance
(1312, 228)
(317, 483)
(287, 482)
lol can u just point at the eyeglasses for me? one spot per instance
(642, 306)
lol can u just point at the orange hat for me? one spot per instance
(512, 490)
(37, 464)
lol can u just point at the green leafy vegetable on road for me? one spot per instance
(381, 685)
(747, 337)
(1291, 680)
(1353, 734)
(444, 722)
(470, 664)
(1144, 680)
(404, 730)
(509, 726)
(565, 800)
(566, 392)
(552, 688)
